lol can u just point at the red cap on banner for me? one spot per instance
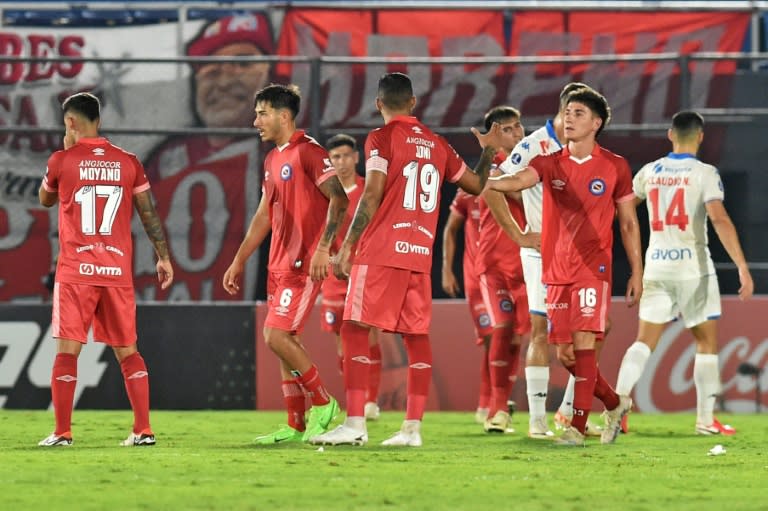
(244, 28)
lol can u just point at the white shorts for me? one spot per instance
(537, 292)
(696, 300)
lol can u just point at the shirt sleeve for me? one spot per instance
(638, 183)
(623, 191)
(377, 152)
(51, 178)
(455, 166)
(712, 184)
(317, 163)
(459, 204)
(140, 182)
(521, 156)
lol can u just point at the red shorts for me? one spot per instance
(331, 315)
(111, 311)
(582, 306)
(393, 299)
(290, 296)
(477, 309)
(506, 300)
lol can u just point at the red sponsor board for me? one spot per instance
(666, 386)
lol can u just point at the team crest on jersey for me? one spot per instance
(516, 158)
(506, 305)
(286, 171)
(330, 317)
(597, 186)
(484, 320)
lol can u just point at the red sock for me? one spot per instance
(485, 382)
(137, 385)
(293, 395)
(374, 373)
(586, 374)
(312, 383)
(63, 382)
(514, 366)
(605, 393)
(357, 356)
(419, 374)
(498, 362)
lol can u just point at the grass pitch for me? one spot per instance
(204, 460)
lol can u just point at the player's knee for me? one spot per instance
(566, 356)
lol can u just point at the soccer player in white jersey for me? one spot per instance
(545, 140)
(681, 192)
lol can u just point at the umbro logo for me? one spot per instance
(420, 365)
(416, 129)
(98, 151)
(66, 378)
(362, 359)
(137, 375)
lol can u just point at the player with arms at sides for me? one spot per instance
(584, 186)
(545, 140)
(342, 151)
(501, 281)
(393, 232)
(97, 185)
(465, 213)
(680, 279)
(300, 184)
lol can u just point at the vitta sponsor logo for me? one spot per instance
(403, 247)
(92, 269)
(671, 254)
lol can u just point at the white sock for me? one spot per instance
(537, 382)
(566, 407)
(632, 366)
(706, 376)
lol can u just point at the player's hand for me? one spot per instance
(747, 285)
(450, 284)
(491, 138)
(318, 266)
(164, 273)
(341, 263)
(231, 280)
(69, 138)
(634, 289)
(531, 240)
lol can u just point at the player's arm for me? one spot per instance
(337, 208)
(726, 231)
(257, 231)
(503, 216)
(526, 178)
(47, 199)
(145, 206)
(452, 227)
(474, 182)
(630, 238)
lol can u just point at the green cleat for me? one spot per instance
(320, 418)
(283, 435)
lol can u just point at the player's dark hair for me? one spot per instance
(593, 100)
(340, 140)
(83, 103)
(687, 123)
(570, 87)
(500, 114)
(395, 90)
(280, 97)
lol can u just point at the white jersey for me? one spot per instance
(543, 141)
(676, 189)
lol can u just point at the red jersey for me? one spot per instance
(467, 206)
(96, 182)
(580, 198)
(416, 161)
(297, 207)
(496, 250)
(333, 287)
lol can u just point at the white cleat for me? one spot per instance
(341, 435)
(592, 429)
(371, 411)
(408, 436)
(571, 437)
(501, 422)
(538, 429)
(140, 440)
(613, 420)
(481, 414)
(54, 440)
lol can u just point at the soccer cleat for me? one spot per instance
(320, 417)
(54, 440)
(408, 436)
(613, 420)
(285, 434)
(592, 429)
(371, 411)
(481, 415)
(562, 421)
(341, 435)
(716, 428)
(139, 440)
(499, 423)
(571, 437)
(538, 428)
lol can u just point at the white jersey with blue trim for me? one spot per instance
(676, 189)
(543, 141)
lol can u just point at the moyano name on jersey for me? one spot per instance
(99, 170)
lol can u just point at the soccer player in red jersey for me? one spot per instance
(300, 186)
(465, 212)
(342, 150)
(97, 185)
(585, 186)
(389, 279)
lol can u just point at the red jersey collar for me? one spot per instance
(92, 140)
(296, 136)
(405, 118)
(595, 150)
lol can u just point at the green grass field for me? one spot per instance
(204, 460)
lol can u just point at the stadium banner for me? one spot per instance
(198, 357)
(666, 385)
